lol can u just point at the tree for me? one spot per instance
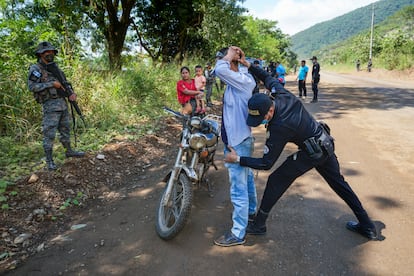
(265, 39)
(168, 29)
(171, 30)
(113, 19)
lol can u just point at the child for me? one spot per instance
(200, 82)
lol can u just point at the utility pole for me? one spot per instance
(370, 44)
(372, 32)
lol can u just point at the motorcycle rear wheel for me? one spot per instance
(172, 218)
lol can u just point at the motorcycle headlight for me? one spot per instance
(197, 141)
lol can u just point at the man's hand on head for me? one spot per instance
(233, 54)
(240, 56)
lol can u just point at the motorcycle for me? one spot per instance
(199, 139)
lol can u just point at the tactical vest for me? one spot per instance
(49, 93)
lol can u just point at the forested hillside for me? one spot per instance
(320, 35)
(393, 44)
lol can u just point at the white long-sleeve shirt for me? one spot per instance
(239, 87)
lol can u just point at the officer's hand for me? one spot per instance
(72, 97)
(57, 85)
(231, 157)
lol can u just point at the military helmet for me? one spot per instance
(45, 46)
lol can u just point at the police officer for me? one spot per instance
(316, 77)
(288, 121)
(47, 91)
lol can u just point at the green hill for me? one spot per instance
(393, 44)
(340, 28)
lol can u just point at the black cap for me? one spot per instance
(259, 104)
(222, 53)
(314, 57)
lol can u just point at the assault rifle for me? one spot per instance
(68, 90)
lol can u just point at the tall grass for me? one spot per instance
(125, 103)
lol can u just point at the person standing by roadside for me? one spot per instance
(280, 73)
(315, 78)
(272, 68)
(369, 66)
(210, 80)
(237, 136)
(301, 78)
(50, 93)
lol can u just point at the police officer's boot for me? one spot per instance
(71, 153)
(258, 226)
(50, 165)
(364, 226)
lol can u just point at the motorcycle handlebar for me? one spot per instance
(173, 112)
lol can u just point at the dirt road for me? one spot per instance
(371, 121)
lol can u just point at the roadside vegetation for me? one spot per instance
(119, 63)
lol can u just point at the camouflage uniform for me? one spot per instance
(54, 105)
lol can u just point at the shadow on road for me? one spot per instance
(341, 100)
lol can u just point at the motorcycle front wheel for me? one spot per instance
(172, 217)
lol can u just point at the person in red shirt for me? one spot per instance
(187, 91)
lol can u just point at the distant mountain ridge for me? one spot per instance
(340, 28)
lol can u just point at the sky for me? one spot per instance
(294, 16)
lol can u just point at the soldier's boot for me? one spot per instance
(50, 165)
(258, 225)
(72, 153)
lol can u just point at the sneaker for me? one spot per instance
(314, 101)
(369, 233)
(253, 229)
(229, 239)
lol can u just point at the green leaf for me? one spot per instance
(5, 206)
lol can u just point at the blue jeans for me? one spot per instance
(242, 189)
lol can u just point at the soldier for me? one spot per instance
(49, 92)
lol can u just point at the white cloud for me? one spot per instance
(296, 15)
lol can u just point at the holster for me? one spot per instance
(312, 148)
(317, 147)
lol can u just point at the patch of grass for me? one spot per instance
(115, 104)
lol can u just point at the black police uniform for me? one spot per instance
(291, 122)
(315, 80)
